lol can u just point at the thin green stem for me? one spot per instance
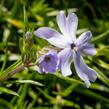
(11, 73)
(101, 36)
(14, 65)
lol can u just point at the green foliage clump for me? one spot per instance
(30, 90)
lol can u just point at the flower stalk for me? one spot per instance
(16, 70)
(11, 73)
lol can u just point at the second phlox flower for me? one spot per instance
(48, 62)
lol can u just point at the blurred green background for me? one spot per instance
(25, 90)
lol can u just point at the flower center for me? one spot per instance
(47, 59)
(73, 46)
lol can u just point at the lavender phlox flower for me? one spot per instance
(71, 47)
(48, 62)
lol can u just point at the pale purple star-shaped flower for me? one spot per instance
(48, 62)
(71, 46)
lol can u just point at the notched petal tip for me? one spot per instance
(37, 32)
(39, 70)
(61, 12)
(44, 32)
(87, 84)
(83, 38)
(67, 74)
(88, 33)
(72, 17)
(84, 72)
(94, 52)
(93, 75)
(91, 51)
